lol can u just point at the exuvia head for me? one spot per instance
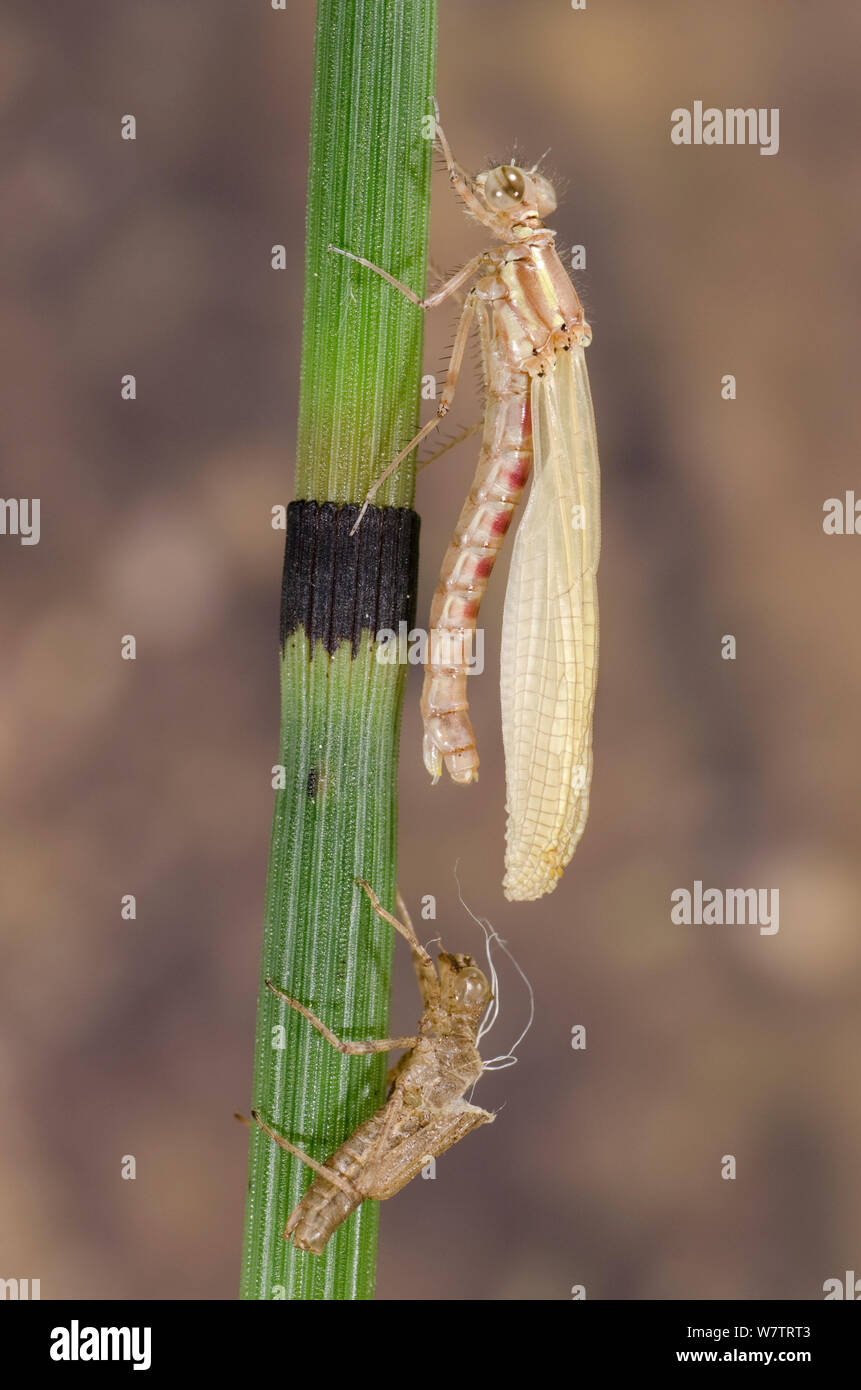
(519, 197)
(465, 988)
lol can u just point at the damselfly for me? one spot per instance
(538, 417)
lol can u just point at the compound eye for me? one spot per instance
(471, 987)
(504, 185)
(514, 183)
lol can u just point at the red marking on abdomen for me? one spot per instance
(518, 473)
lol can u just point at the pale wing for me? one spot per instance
(549, 657)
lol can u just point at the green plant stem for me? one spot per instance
(336, 813)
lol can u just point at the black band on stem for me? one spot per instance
(337, 586)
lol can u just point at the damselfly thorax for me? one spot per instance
(531, 310)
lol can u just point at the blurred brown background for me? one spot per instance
(152, 777)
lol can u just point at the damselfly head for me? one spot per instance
(516, 194)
